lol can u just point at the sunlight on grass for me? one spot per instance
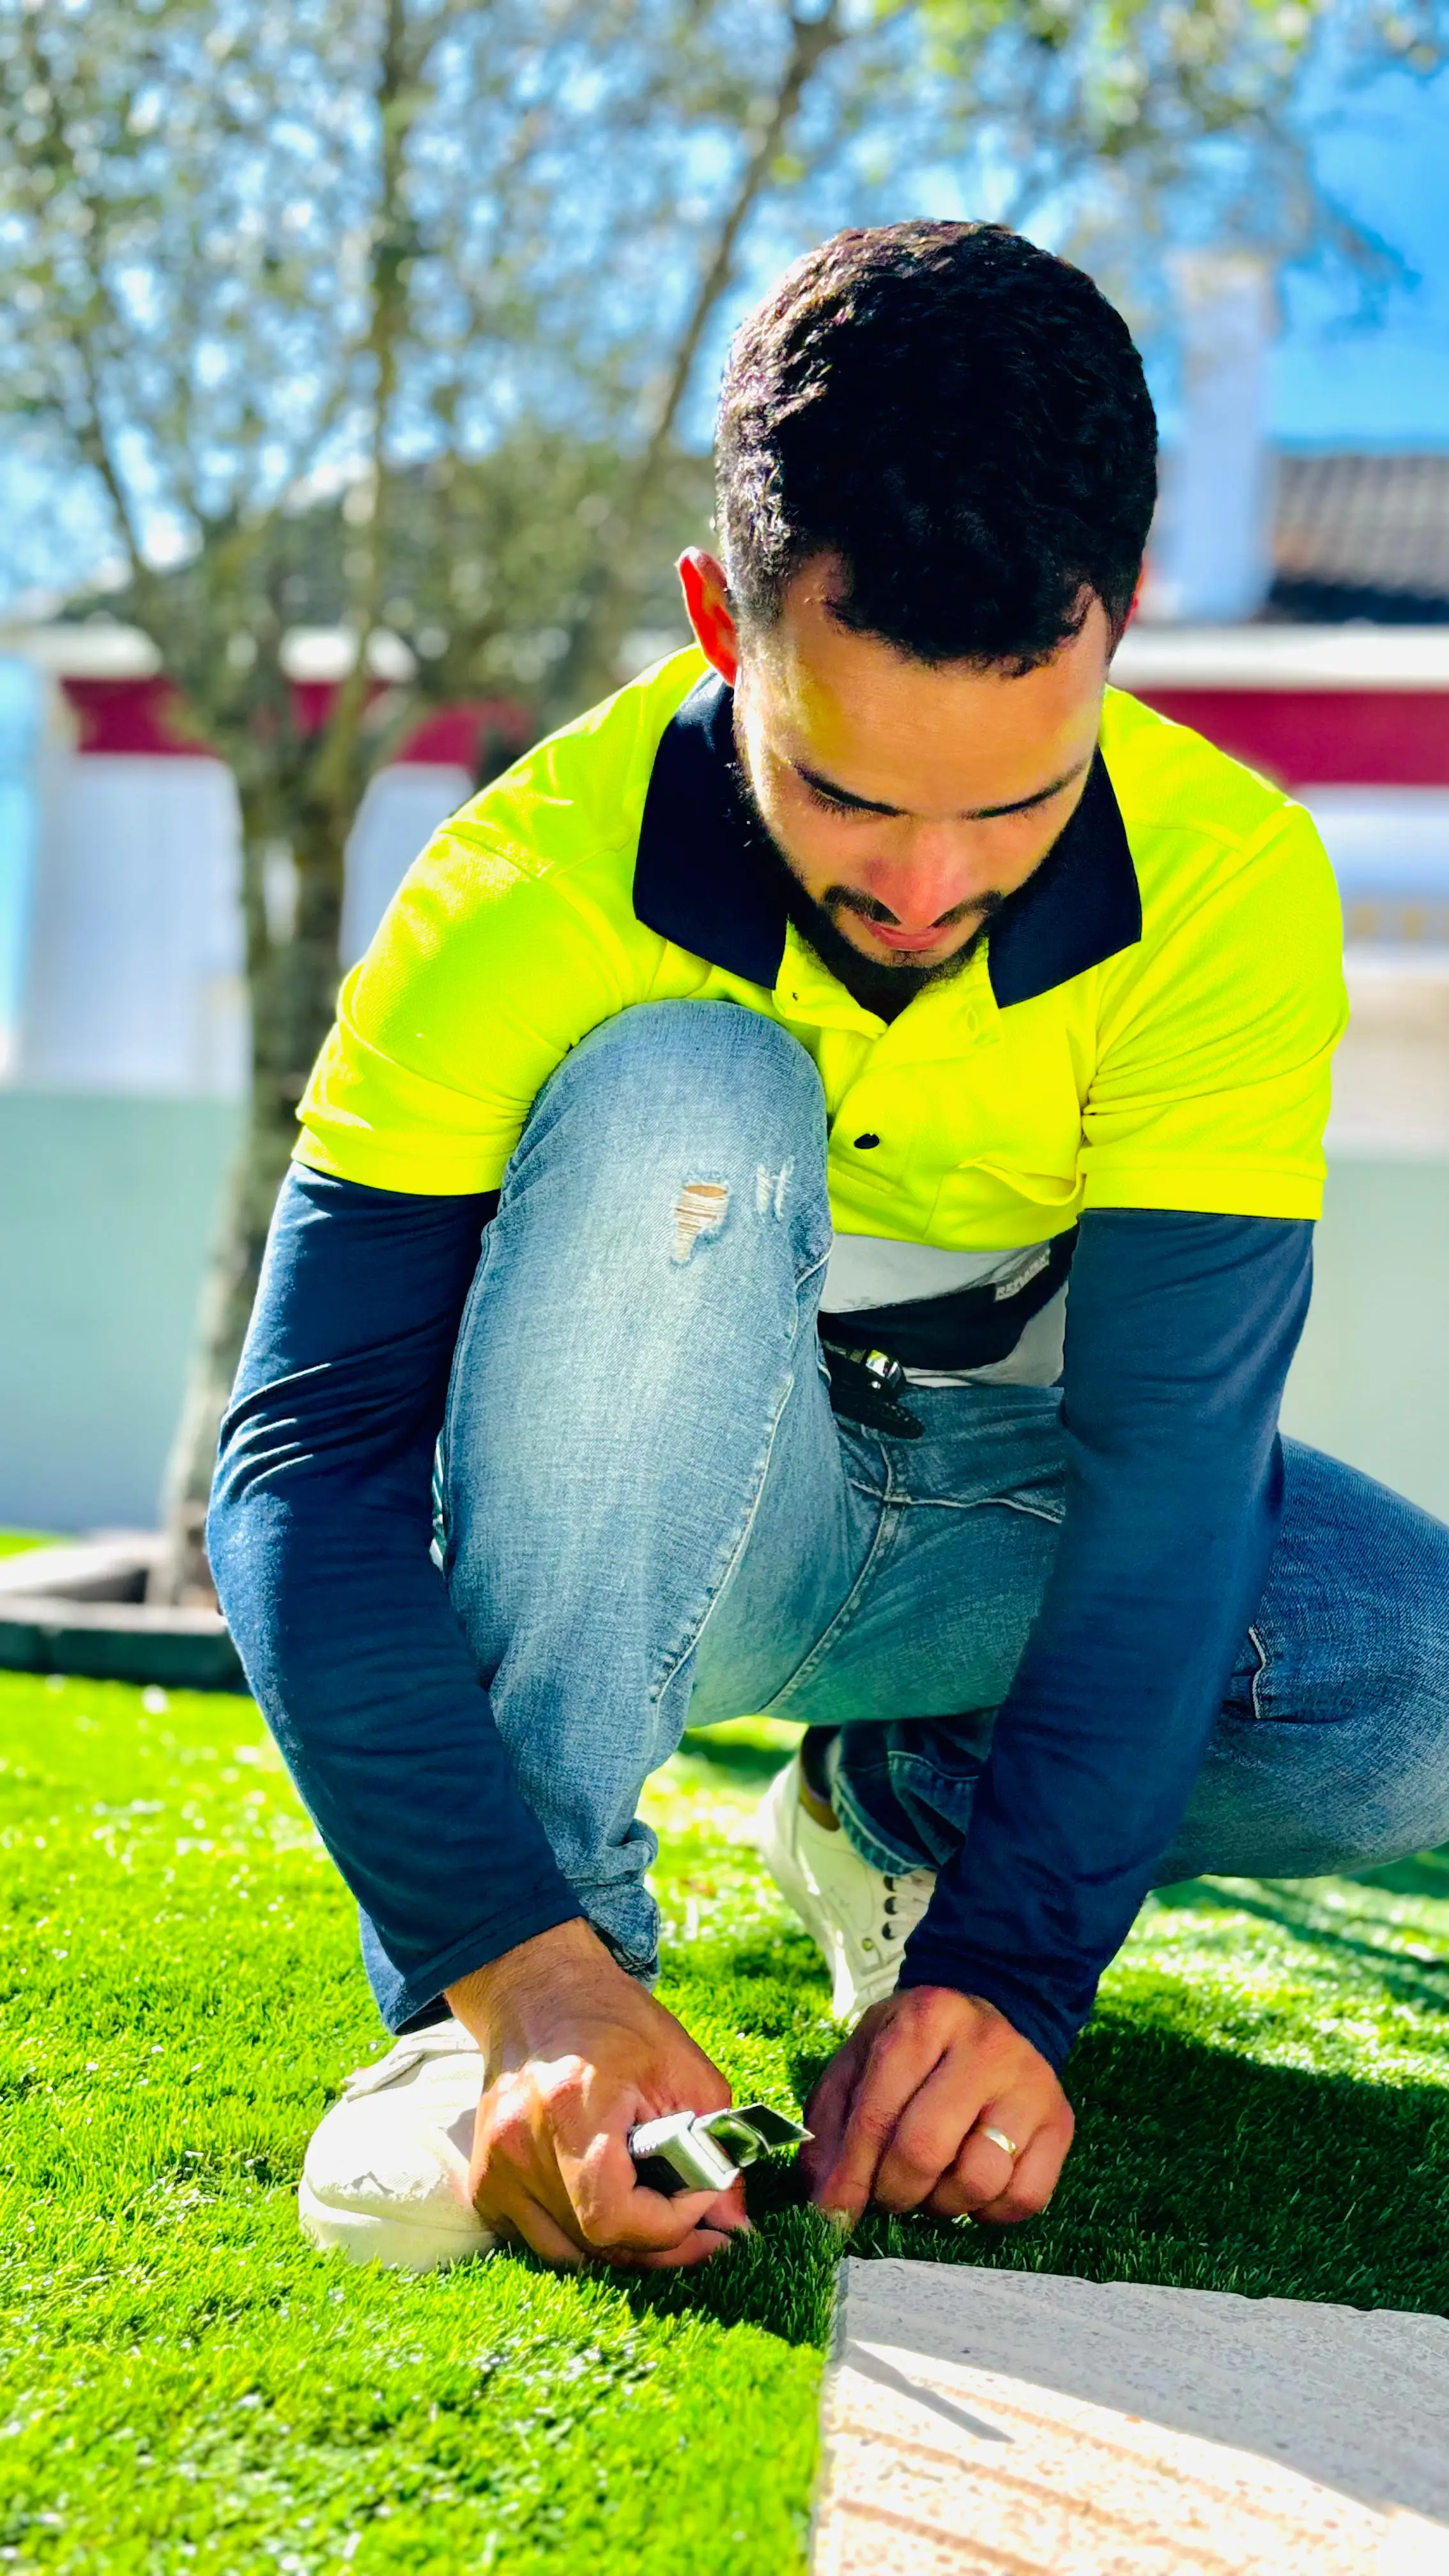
(1264, 2105)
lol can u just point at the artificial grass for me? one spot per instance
(1264, 2104)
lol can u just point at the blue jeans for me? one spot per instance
(652, 1517)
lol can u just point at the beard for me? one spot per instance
(879, 987)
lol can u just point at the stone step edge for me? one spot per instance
(123, 1641)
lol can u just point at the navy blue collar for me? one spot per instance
(699, 878)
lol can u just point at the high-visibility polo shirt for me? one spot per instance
(1148, 1024)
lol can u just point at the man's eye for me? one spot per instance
(831, 804)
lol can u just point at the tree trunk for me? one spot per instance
(293, 988)
(292, 968)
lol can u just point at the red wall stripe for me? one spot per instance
(1323, 737)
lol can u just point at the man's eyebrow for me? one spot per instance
(973, 813)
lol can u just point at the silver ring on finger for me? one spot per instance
(1000, 2139)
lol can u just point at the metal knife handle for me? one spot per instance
(704, 2150)
(675, 2154)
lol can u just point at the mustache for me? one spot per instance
(844, 898)
(814, 920)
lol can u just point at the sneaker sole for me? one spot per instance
(398, 2244)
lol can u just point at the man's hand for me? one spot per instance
(578, 2055)
(899, 2113)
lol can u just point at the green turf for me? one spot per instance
(1264, 2100)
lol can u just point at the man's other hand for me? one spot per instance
(899, 2114)
(577, 2055)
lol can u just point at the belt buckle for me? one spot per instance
(866, 1387)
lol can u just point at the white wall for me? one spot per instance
(131, 978)
(1390, 853)
(132, 975)
(20, 714)
(398, 816)
(121, 1117)
(107, 1213)
(1371, 1379)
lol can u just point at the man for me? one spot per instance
(786, 1031)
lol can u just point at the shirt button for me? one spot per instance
(865, 1142)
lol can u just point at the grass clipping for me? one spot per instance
(188, 2387)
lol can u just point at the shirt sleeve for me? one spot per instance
(478, 983)
(1210, 1087)
(1180, 1329)
(320, 1533)
(512, 935)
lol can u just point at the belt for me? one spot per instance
(868, 1353)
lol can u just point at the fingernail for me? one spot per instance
(842, 2220)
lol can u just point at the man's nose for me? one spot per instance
(925, 882)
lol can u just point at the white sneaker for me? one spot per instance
(385, 2178)
(859, 1916)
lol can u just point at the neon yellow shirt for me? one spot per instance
(1149, 1023)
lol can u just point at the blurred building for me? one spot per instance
(1314, 644)
(123, 1039)
(1361, 536)
(1297, 612)
(129, 967)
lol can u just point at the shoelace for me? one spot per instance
(916, 1892)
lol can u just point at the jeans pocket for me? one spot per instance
(1289, 1676)
(1247, 1692)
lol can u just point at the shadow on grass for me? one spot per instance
(1426, 1874)
(1300, 1911)
(1198, 2168)
(1193, 2167)
(781, 2279)
(735, 1754)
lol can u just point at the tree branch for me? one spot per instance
(811, 39)
(395, 102)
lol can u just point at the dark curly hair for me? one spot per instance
(958, 416)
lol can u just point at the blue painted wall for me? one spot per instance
(1371, 1380)
(108, 1207)
(19, 733)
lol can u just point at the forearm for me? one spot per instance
(320, 1535)
(1173, 1491)
(365, 1679)
(1094, 1758)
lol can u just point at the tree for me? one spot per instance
(249, 263)
(394, 315)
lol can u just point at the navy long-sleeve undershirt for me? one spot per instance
(1180, 1330)
(319, 1536)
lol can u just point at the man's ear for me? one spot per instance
(707, 601)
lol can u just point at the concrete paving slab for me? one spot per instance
(982, 2423)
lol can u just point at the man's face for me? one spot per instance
(907, 801)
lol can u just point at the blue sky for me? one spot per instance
(1340, 377)
(1381, 377)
